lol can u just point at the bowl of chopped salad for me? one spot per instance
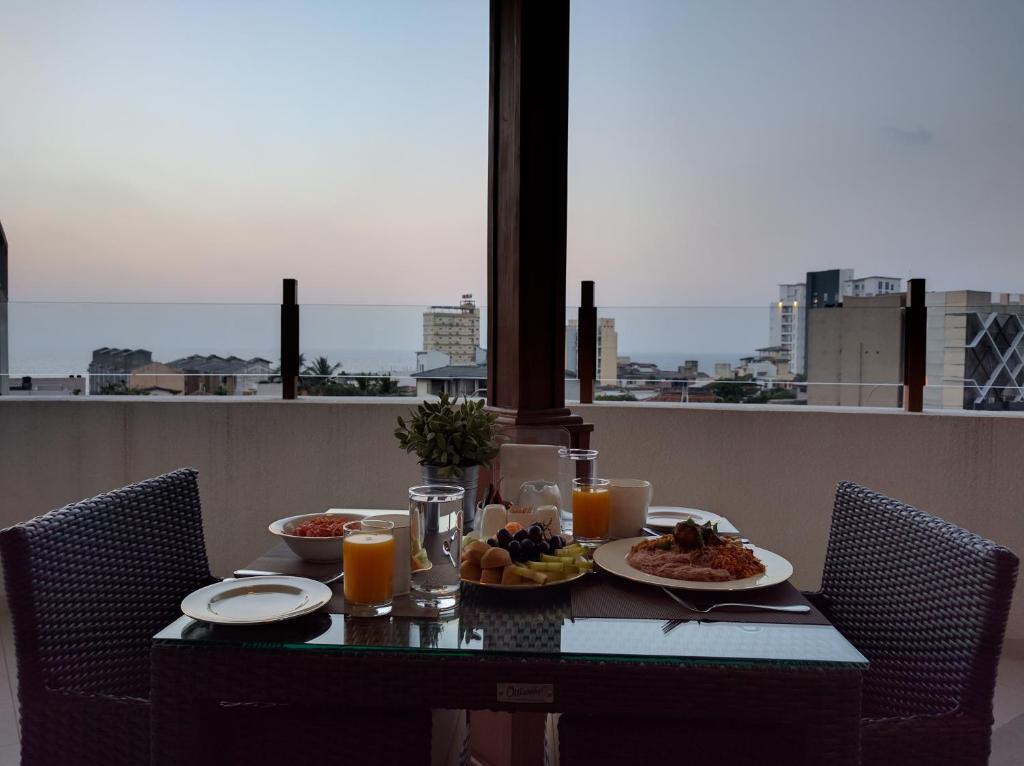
(315, 537)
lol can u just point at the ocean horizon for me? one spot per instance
(394, 362)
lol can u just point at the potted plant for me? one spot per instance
(452, 441)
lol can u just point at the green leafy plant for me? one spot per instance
(450, 435)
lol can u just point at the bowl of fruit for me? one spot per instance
(523, 557)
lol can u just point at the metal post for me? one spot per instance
(586, 343)
(289, 338)
(4, 340)
(915, 328)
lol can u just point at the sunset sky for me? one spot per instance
(202, 151)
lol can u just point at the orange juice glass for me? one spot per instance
(591, 511)
(369, 560)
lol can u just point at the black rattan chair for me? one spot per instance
(88, 585)
(927, 603)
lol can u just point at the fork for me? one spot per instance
(794, 608)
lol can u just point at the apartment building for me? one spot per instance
(453, 330)
(607, 349)
(975, 350)
(786, 324)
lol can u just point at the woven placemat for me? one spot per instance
(605, 595)
(281, 559)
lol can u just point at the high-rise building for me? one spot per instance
(822, 289)
(453, 330)
(975, 350)
(867, 287)
(786, 324)
(607, 349)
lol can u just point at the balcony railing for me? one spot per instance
(852, 355)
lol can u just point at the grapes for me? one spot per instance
(528, 547)
(536, 534)
(492, 542)
(504, 536)
(514, 548)
(544, 547)
(556, 542)
(521, 535)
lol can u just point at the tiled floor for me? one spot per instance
(1007, 736)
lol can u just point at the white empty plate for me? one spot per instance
(256, 600)
(666, 516)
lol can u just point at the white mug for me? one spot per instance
(630, 499)
(403, 552)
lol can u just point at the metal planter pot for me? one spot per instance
(470, 476)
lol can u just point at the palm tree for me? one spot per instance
(318, 373)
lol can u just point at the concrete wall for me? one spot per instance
(858, 344)
(771, 470)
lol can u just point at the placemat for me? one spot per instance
(281, 560)
(605, 595)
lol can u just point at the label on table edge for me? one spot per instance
(529, 693)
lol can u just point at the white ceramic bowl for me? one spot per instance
(314, 549)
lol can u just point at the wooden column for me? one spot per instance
(526, 221)
(915, 331)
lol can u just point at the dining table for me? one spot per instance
(766, 687)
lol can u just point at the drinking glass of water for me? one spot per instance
(435, 532)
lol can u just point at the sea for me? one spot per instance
(57, 339)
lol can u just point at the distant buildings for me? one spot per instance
(157, 378)
(769, 365)
(821, 289)
(70, 385)
(453, 331)
(112, 366)
(114, 369)
(431, 360)
(786, 324)
(607, 349)
(975, 350)
(456, 380)
(974, 357)
(220, 375)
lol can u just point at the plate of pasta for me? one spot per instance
(693, 557)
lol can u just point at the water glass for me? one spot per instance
(574, 464)
(591, 511)
(369, 555)
(435, 541)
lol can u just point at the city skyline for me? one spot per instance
(716, 150)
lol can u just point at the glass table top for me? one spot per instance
(536, 627)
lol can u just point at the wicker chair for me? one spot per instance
(88, 585)
(927, 603)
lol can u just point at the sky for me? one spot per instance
(194, 151)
